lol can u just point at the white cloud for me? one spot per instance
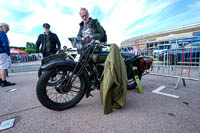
(196, 4)
(18, 39)
(122, 16)
(129, 12)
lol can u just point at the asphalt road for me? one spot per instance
(143, 113)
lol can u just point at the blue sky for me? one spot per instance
(122, 19)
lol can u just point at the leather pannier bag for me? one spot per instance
(144, 63)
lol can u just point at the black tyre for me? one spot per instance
(58, 98)
(39, 72)
(132, 83)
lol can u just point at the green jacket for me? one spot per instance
(98, 31)
(113, 86)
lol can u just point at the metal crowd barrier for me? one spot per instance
(23, 63)
(182, 62)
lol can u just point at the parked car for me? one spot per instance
(165, 47)
(160, 48)
(173, 56)
(131, 50)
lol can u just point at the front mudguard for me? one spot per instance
(69, 63)
(43, 66)
(55, 63)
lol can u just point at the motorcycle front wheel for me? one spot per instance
(60, 95)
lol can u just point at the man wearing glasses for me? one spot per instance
(48, 40)
(90, 28)
(4, 55)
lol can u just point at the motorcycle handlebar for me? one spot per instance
(92, 42)
(96, 42)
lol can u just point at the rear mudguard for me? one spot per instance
(130, 63)
(69, 63)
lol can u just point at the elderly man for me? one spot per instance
(90, 28)
(4, 54)
(49, 41)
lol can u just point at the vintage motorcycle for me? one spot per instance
(74, 79)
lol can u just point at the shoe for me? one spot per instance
(6, 83)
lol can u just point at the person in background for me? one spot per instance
(4, 55)
(49, 41)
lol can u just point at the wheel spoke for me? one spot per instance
(59, 99)
(74, 91)
(76, 87)
(67, 97)
(52, 97)
(52, 93)
(50, 88)
(64, 98)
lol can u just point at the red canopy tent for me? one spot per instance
(13, 51)
(17, 51)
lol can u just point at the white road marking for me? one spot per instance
(157, 91)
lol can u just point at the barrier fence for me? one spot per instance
(27, 62)
(178, 59)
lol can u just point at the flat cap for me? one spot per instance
(46, 25)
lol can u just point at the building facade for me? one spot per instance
(151, 40)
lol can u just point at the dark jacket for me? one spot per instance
(54, 41)
(98, 31)
(4, 43)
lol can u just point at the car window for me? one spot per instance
(162, 47)
(167, 46)
(156, 48)
(181, 44)
(195, 44)
(174, 46)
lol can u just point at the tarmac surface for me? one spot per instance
(143, 113)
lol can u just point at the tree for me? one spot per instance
(30, 45)
(29, 50)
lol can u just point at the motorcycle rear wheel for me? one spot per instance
(132, 83)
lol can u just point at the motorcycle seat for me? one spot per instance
(126, 54)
